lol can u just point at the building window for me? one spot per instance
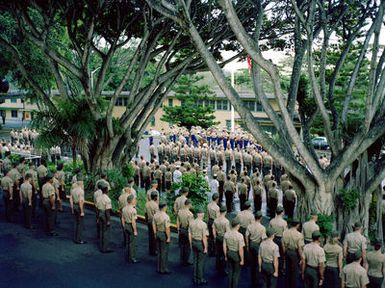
(170, 102)
(121, 101)
(200, 103)
(228, 124)
(250, 105)
(14, 113)
(211, 104)
(152, 121)
(259, 107)
(223, 105)
(13, 100)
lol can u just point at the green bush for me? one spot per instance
(349, 198)
(14, 158)
(128, 170)
(325, 223)
(117, 182)
(198, 188)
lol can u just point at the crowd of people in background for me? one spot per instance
(270, 242)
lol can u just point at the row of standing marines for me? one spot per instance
(243, 240)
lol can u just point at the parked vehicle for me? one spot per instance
(320, 143)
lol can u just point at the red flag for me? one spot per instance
(249, 63)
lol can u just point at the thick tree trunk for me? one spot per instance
(107, 153)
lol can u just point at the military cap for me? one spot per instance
(357, 225)
(215, 176)
(79, 177)
(223, 209)
(199, 210)
(313, 213)
(102, 185)
(316, 235)
(185, 189)
(357, 255)
(258, 214)
(215, 196)
(154, 193)
(279, 209)
(187, 202)
(130, 198)
(154, 182)
(295, 221)
(270, 232)
(130, 180)
(162, 204)
(235, 222)
(49, 176)
(247, 204)
(335, 234)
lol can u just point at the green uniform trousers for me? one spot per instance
(184, 246)
(104, 232)
(234, 260)
(199, 260)
(78, 224)
(162, 248)
(130, 244)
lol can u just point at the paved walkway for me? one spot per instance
(32, 259)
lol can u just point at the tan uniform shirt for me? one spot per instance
(234, 240)
(285, 185)
(14, 175)
(185, 217)
(103, 202)
(97, 193)
(151, 208)
(168, 176)
(273, 193)
(258, 190)
(6, 183)
(161, 221)
(332, 254)
(48, 190)
(355, 241)
(129, 214)
(242, 189)
(179, 203)
(221, 176)
(313, 254)
(77, 194)
(26, 192)
(123, 200)
(256, 232)
(279, 225)
(354, 275)
(376, 262)
(213, 210)
(149, 193)
(60, 177)
(221, 225)
(293, 239)
(42, 171)
(308, 228)
(290, 195)
(268, 250)
(229, 186)
(198, 229)
(246, 218)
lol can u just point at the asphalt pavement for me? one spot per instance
(30, 258)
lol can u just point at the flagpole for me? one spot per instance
(232, 107)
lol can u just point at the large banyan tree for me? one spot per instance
(347, 186)
(90, 47)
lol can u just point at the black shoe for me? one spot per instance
(107, 251)
(133, 261)
(81, 242)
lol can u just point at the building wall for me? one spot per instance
(15, 108)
